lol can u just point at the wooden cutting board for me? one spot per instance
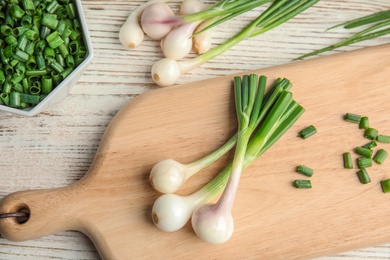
(112, 203)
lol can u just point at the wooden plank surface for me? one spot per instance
(55, 148)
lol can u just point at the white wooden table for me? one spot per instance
(56, 147)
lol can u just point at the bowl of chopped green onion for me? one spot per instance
(44, 49)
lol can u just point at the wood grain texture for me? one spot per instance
(56, 148)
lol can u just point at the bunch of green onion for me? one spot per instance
(378, 24)
(263, 117)
(41, 43)
(175, 31)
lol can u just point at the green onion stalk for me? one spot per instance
(167, 71)
(171, 212)
(379, 26)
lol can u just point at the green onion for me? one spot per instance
(383, 138)
(52, 6)
(11, 40)
(31, 35)
(371, 133)
(377, 21)
(353, 118)
(14, 99)
(50, 21)
(30, 99)
(380, 156)
(21, 56)
(385, 185)
(279, 12)
(305, 170)
(26, 21)
(364, 162)
(54, 40)
(47, 85)
(284, 112)
(302, 184)
(370, 145)
(366, 152)
(363, 176)
(4, 97)
(307, 132)
(364, 123)
(347, 159)
(71, 10)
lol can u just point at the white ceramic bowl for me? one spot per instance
(63, 89)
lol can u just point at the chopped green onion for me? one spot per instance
(31, 35)
(50, 21)
(21, 56)
(380, 156)
(54, 40)
(363, 176)
(385, 185)
(14, 99)
(28, 6)
(47, 85)
(45, 31)
(366, 152)
(305, 170)
(31, 63)
(4, 97)
(353, 118)
(307, 132)
(383, 138)
(302, 184)
(71, 10)
(370, 145)
(347, 159)
(11, 40)
(16, 11)
(364, 162)
(26, 21)
(34, 58)
(31, 99)
(52, 6)
(364, 123)
(36, 72)
(371, 133)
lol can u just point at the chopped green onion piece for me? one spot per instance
(36, 72)
(353, 118)
(66, 73)
(307, 132)
(370, 145)
(28, 6)
(366, 152)
(364, 123)
(347, 158)
(31, 35)
(14, 99)
(383, 138)
(50, 21)
(305, 170)
(71, 10)
(52, 6)
(26, 21)
(54, 40)
(45, 31)
(364, 162)
(363, 176)
(16, 11)
(31, 99)
(4, 97)
(380, 156)
(30, 48)
(11, 40)
(47, 85)
(385, 185)
(302, 184)
(21, 56)
(371, 133)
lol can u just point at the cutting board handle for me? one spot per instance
(50, 211)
